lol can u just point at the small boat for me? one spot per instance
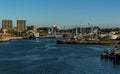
(107, 55)
(32, 37)
(110, 52)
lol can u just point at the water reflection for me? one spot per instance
(111, 60)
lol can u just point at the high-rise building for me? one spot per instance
(7, 24)
(21, 25)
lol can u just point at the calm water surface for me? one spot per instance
(44, 56)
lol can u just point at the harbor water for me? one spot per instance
(45, 56)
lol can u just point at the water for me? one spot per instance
(44, 56)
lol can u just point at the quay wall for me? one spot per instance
(6, 39)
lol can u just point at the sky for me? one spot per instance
(102, 13)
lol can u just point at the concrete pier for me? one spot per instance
(91, 42)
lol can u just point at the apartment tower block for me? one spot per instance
(7, 24)
(21, 25)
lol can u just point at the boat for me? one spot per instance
(107, 54)
(110, 52)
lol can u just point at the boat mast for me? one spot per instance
(81, 32)
(76, 30)
(91, 31)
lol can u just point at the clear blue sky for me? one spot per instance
(104, 13)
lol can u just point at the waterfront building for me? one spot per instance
(34, 28)
(21, 25)
(44, 30)
(4, 34)
(7, 24)
(55, 30)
